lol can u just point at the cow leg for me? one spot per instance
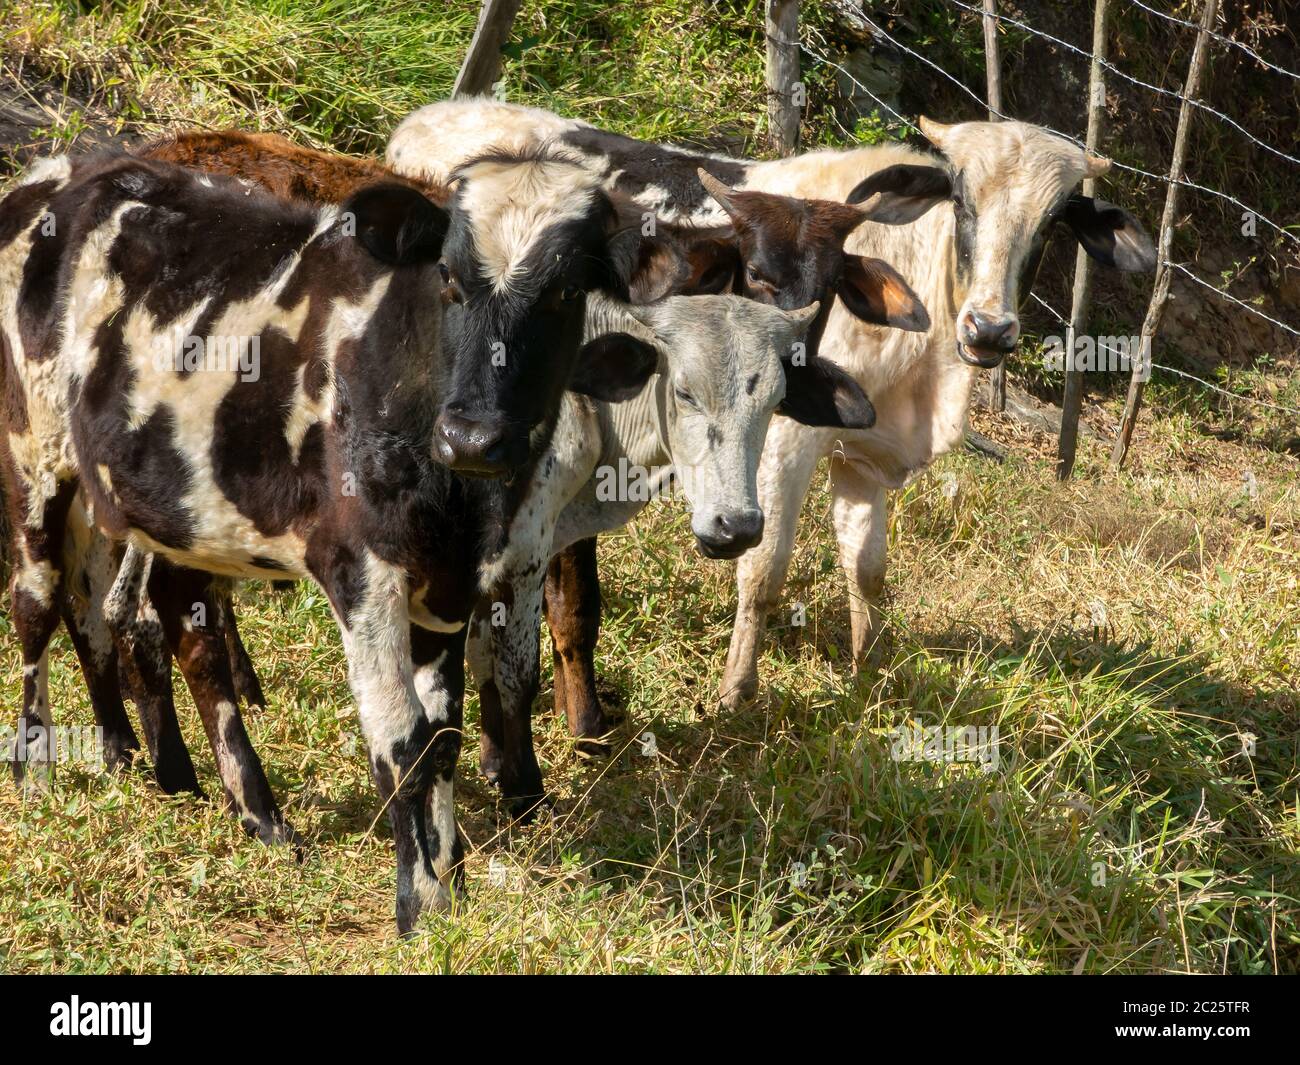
(478, 656)
(789, 459)
(193, 623)
(861, 523)
(99, 668)
(505, 661)
(573, 615)
(90, 565)
(146, 665)
(370, 604)
(439, 661)
(247, 685)
(39, 519)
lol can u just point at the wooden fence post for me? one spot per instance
(993, 75)
(783, 103)
(1072, 399)
(482, 63)
(1160, 292)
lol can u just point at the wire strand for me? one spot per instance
(863, 21)
(1201, 105)
(1219, 37)
(1183, 373)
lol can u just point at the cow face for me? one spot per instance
(729, 364)
(791, 254)
(530, 236)
(1008, 182)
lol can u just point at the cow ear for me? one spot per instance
(1110, 234)
(905, 192)
(628, 255)
(820, 393)
(655, 272)
(396, 224)
(673, 264)
(614, 367)
(875, 292)
(711, 265)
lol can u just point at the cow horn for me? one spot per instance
(934, 131)
(715, 188)
(1095, 165)
(867, 206)
(803, 316)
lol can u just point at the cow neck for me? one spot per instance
(638, 429)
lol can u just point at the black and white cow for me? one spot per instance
(1010, 185)
(727, 365)
(256, 388)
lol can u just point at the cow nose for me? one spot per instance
(999, 332)
(475, 445)
(732, 534)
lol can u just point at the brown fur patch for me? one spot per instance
(280, 166)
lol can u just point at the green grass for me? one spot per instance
(1123, 830)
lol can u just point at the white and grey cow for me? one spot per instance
(1008, 184)
(726, 365)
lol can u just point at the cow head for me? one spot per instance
(530, 237)
(1009, 183)
(791, 253)
(729, 364)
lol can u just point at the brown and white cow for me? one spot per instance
(1009, 184)
(257, 388)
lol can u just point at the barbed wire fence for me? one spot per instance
(814, 45)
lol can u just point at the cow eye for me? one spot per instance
(450, 290)
(755, 278)
(570, 293)
(685, 397)
(959, 192)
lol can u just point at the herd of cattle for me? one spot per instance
(450, 349)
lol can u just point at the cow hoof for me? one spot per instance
(736, 695)
(434, 898)
(33, 779)
(489, 764)
(175, 779)
(525, 808)
(249, 690)
(592, 747)
(119, 752)
(273, 832)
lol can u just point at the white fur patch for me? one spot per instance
(433, 141)
(511, 204)
(56, 168)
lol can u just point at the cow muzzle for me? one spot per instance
(481, 446)
(730, 534)
(985, 340)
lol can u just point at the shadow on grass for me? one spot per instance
(1137, 818)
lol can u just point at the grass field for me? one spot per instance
(1134, 639)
